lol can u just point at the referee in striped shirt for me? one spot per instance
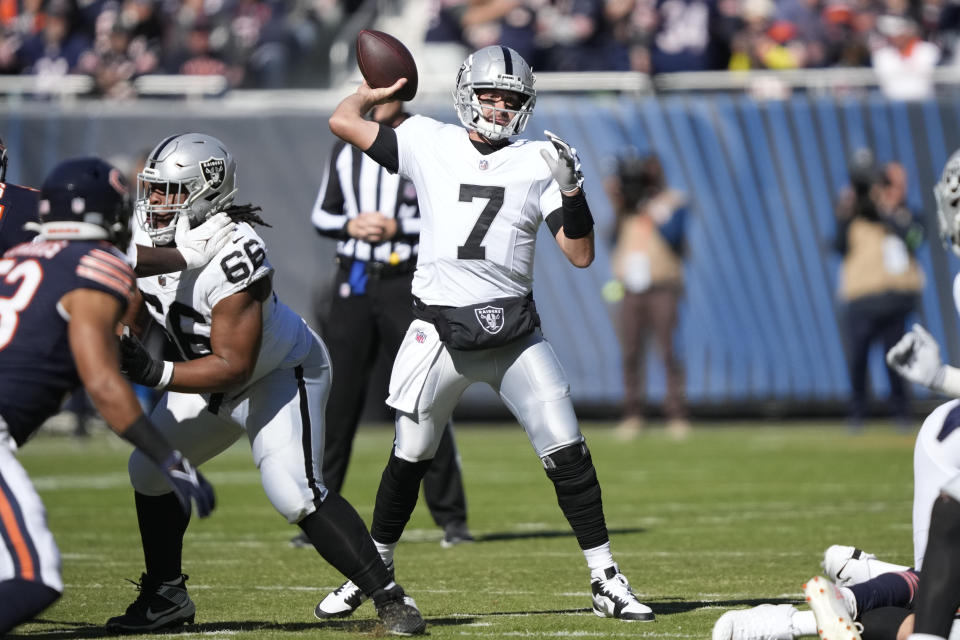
(375, 218)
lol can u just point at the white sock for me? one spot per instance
(850, 600)
(386, 551)
(599, 558)
(923, 636)
(804, 623)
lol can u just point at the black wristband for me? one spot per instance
(577, 220)
(145, 437)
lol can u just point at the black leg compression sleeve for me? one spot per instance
(396, 497)
(20, 600)
(883, 623)
(162, 525)
(939, 593)
(339, 535)
(578, 493)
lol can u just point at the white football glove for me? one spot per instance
(916, 357)
(199, 245)
(566, 166)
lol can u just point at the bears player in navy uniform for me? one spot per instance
(61, 297)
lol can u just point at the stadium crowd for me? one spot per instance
(284, 43)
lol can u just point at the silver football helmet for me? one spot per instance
(494, 67)
(947, 194)
(193, 165)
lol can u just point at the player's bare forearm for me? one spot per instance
(348, 122)
(152, 261)
(93, 316)
(579, 251)
(236, 331)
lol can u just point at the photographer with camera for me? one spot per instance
(880, 280)
(648, 267)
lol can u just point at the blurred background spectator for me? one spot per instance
(880, 280)
(288, 43)
(904, 63)
(648, 265)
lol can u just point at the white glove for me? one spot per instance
(566, 166)
(916, 357)
(199, 245)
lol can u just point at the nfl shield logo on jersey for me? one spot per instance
(213, 170)
(490, 318)
(484, 165)
(420, 337)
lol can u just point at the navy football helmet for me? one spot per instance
(85, 199)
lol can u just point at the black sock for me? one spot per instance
(883, 623)
(939, 593)
(162, 525)
(886, 590)
(339, 535)
(396, 498)
(21, 600)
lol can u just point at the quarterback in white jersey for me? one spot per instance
(482, 199)
(245, 364)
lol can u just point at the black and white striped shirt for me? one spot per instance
(354, 184)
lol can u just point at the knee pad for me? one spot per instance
(145, 477)
(289, 491)
(578, 493)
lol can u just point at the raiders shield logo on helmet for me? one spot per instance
(490, 318)
(213, 170)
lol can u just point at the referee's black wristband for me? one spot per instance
(144, 436)
(577, 220)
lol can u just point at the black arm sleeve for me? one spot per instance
(577, 219)
(384, 150)
(555, 221)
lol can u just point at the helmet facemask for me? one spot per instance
(494, 69)
(947, 194)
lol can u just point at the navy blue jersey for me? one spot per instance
(36, 364)
(18, 205)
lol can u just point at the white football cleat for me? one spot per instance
(613, 598)
(848, 566)
(763, 622)
(341, 602)
(834, 620)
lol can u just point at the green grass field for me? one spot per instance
(737, 515)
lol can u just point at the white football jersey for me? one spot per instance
(479, 213)
(182, 303)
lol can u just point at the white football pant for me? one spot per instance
(282, 414)
(936, 462)
(527, 376)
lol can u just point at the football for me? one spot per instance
(383, 60)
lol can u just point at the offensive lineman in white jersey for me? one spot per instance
(247, 365)
(482, 199)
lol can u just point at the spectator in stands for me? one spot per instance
(198, 57)
(458, 26)
(648, 262)
(56, 50)
(905, 63)
(572, 36)
(880, 280)
(692, 35)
